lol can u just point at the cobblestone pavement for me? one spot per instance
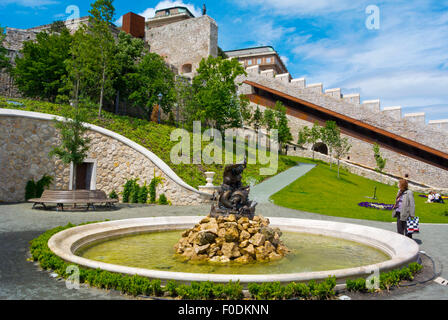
(20, 279)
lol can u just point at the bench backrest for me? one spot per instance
(74, 195)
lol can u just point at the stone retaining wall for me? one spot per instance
(24, 147)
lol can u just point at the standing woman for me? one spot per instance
(404, 207)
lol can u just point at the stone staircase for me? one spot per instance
(410, 125)
(355, 99)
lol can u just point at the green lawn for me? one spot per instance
(320, 191)
(154, 137)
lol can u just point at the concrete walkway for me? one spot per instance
(263, 191)
(20, 279)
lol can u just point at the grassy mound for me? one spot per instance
(152, 136)
(320, 191)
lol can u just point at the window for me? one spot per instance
(249, 62)
(167, 12)
(187, 68)
(268, 60)
(258, 61)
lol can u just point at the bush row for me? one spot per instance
(137, 285)
(386, 280)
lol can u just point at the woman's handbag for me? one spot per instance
(413, 225)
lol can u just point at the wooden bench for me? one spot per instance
(83, 197)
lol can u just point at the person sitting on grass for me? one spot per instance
(438, 198)
(431, 197)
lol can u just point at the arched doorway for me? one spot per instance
(321, 148)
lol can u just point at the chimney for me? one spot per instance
(134, 25)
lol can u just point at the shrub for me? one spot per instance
(143, 194)
(113, 195)
(30, 190)
(163, 200)
(387, 280)
(43, 183)
(36, 189)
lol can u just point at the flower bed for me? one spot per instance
(378, 206)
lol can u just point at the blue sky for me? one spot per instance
(404, 62)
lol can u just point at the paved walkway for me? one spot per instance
(19, 224)
(263, 191)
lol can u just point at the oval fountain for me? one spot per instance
(390, 249)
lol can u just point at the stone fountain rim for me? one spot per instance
(401, 250)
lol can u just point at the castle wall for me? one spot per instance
(185, 42)
(362, 152)
(25, 144)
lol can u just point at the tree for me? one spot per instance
(151, 78)
(270, 122)
(102, 46)
(330, 135)
(257, 119)
(304, 135)
(380, 161)
(245, 110)
(74, 145)
(79, 79)
(216, 103)
(314, 136)
(284, 133)
(4, 60)
(341, 149)
(129, 52)
(39, 71)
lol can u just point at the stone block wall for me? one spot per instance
(24, 147)
(185, 42)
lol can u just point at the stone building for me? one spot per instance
(265, 57)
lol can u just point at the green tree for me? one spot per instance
(216, 103)
(330, 135)
(151, 78)
(257, 119)
(304, 134)
(380, 161)
(80, 78)
(314, 136)
(38, 73)
(4, 60)
(284, 133)
(270, 122)
(246, 111)
(102, 47)
(74, 145)
(341, 149)
(129, 51)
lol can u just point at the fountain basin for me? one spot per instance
(400, 249)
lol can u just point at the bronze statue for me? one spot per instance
(233, 198)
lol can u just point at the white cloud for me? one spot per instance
(151, 12)
(403, 63)
(29, 3)
(300, 7)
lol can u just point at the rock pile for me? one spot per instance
(225, 239)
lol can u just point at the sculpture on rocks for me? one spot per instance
(233, 198)
(232, 232)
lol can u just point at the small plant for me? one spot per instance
(163, 201)
(30, 190)
(36, 189)
(380, 161)
(113, 195)
(143, 194)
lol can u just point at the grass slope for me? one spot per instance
(320, 191)
(152, 136)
